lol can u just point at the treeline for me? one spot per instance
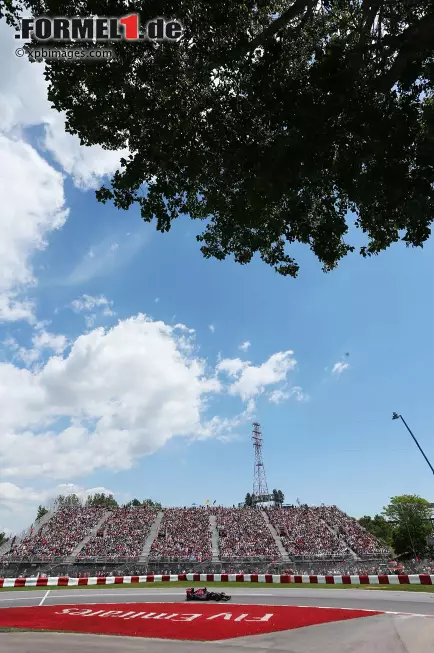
(92, 501)
(406, 525)
(277, 496)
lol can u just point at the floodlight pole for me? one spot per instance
(396, 416)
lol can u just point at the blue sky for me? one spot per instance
(332, 441)
(341, 445)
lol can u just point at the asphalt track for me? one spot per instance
(389, 633)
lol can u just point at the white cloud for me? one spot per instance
(66, 489)
(90, 320)
(118, 394)
(283, 394)
(9, 492)
(211, 327)
(244, 346)
(23, 103)
(89, 303)
(46, 340)
(156, 300)
(105, 257)
(86, 165)
(18, 505)
(278, 396)
(42, 340)
(252, 380)
(23, 89)
(122, 393)
(232, 366)
(27, 356)
(224, 429)
(298, 394)
(340, 367)
(33, 205)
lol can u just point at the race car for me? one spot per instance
(202, 594)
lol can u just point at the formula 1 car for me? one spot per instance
(203, 595)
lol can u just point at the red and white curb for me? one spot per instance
(279, 579)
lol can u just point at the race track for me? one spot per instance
(386, 633)
(386, 600)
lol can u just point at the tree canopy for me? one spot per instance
(404, 525)
(74, 501)
(380, 527)
(271, 121)
(136, 503)
(278, 497)
(411, 518)
(94, 500)
(251, 500)
(101, 499)
(42, 510)
(67, 501)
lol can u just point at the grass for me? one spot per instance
(26, 630)
(41, 630)
(253, 586)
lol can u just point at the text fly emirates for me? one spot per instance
(121, 614)
(103, 28)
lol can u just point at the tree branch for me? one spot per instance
(294, 10)
(414, 40)
(370, 11)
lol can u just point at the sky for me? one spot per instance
(131, 365)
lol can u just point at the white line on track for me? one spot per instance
(132, 593)
(44, 597)
(146, 593)
(264, 605)
(22, 598)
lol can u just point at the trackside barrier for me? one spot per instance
(279, 579)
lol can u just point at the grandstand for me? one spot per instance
(196, 539)
(214, 539)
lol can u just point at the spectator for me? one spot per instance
(183, 533)
(304, 533)
(60, 535)
(244, 533)
(359, 540)
(123, 535)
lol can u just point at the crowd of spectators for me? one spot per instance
(122, 535)
(360, 541)
(60, 535)
(186, 533)
(183, 533)
(304, 533)
(244, 533)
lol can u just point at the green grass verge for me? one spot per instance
(252, 586)
(48, 630)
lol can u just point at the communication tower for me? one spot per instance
(260, 487)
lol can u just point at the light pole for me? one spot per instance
(396, 416)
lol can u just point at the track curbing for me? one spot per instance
(278, 579)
